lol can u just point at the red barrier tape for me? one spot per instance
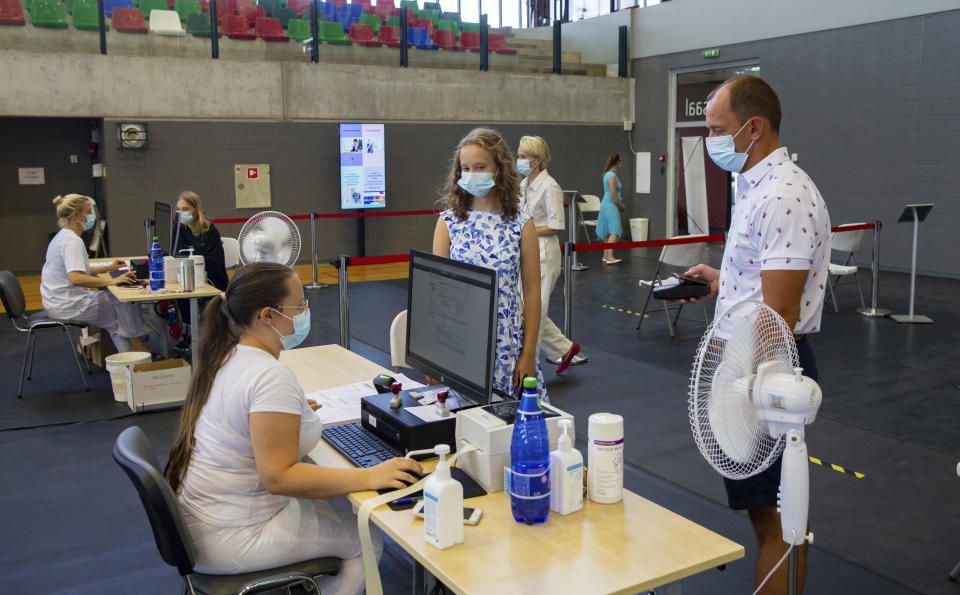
(341, 216)
(853, 227)
(358, 260)
(648, 244)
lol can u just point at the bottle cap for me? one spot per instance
(156, 239)
(443, 467)
(564, 443)
(529, 382)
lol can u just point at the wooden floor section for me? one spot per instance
(326, 273)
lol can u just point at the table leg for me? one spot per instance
(194, 332)
(418, 578)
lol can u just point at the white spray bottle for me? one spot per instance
(442, 505)
(566, 474)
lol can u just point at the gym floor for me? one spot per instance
(71, 521)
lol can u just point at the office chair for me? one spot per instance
(11, 293)
(845, 242)
(679, 256)
(135, 455)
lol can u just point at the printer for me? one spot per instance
(489, 429)
(402, 429)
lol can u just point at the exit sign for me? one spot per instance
(711, 53)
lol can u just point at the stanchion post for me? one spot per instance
(873, 311)
(572, 210)
(313, 253)
(343, 263)
(569, 251)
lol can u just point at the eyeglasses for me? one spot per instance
(300, 309)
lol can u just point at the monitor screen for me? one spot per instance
(163, 226)
(451, 323)
(362, 167)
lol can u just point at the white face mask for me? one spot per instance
(724, 153)
(476, 183)
(523, 166)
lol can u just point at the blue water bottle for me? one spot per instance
(530, 460)
(156, 266)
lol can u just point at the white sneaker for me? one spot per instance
(611, 260)
(576, 361)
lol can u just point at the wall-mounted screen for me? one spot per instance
(362, 172)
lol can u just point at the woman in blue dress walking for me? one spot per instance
(609, 226)
(483, 225)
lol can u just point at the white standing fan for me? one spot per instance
(749, 401)
(269, 237)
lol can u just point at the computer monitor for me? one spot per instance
(452, 323)
(163, 226)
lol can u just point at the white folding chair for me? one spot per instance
(590, 203)
(165, 22)
(845, 242)
(231, 252)
(675, 256)
(398, 342)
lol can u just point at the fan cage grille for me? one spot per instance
(254, 224)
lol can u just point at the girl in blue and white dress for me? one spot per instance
(483, 225)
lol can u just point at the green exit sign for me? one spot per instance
(711, 53)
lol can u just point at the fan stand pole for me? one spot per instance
(793, 569)
(313, 253)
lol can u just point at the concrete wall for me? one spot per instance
(305, 174)
(596, 39)
(28, 215)
(55, 84)
(700, 24)
(872, 112)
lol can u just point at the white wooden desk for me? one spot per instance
(627, 547)
(174, 292)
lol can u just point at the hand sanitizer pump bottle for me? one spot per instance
(566, 474)
(442, 505)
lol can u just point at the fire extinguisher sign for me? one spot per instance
(253, 173)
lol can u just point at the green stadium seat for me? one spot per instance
(432, 6)
(450, 16)
(471, 27)
(186, 8)
(333, 33)
(86, 16)
(284, 14)
(433, 15)
(447, 25)
(371, 19)
(393, 21)
(271, 5)
(146, 6)
(48, 13)
(411, 4)
(299, 29)
(198, 25)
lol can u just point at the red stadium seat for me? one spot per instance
(470, 41)
(422, 24)
(11, 13)
(363, 35)
(447, 40)
(390, 36)
(383, 11)
(128, 20)
(497, 42)
(299, 6)
(269, 29)
(237, 27)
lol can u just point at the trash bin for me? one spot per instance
(638, 229)
(116, 366)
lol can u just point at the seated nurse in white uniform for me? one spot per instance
(249, 501)
(67, 278)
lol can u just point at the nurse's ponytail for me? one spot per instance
(253, 287)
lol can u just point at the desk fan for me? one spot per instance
(749, 402)
(269, 237)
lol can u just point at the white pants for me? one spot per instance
(553, 344)
(302, 530)
(121, 320)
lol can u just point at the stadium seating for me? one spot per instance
(363, 35)
(11, 13)
(333, 34)
(411, 4)
(186, 8)
(48, 13)
(419, 39)
(451, 16)
(284, 15)
(86, 16)
(128, 20)
(109, 5)
(471, 27)
(423, 24)
(390, 36)
(198, 25)
(497, 42)
(237, 27)
(165, 22)
(299, 6)
(448, 25)
(271, 5)
(269, 29)
(146, 6)
(383, 11)
(299, 30)
(433, 15)
(445, 40)
(371, 19)
(470, 40)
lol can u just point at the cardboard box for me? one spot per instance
(158, 385)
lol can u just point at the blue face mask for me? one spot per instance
(476, 183)
(523, 166)
(724, 153)
(301, 328)
(186, 217)
(89, 222)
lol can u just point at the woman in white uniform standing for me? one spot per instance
(542, 199)
(67, 278)
(249, 500)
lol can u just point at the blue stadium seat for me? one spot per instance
(420, 39)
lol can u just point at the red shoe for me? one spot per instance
(565, 362)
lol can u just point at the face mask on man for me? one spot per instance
(89, 222)
(724, 153)
(301, 328)
(523, 166)
(477, 183)
(186, 217)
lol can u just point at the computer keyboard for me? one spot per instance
(359, 445)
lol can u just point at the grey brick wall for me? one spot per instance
(305, 174)
(873, 112)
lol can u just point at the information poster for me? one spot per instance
(362, 171)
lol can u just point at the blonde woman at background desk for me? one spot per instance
(542, 198)
(248, 499)
(67, 277)
(199, 233)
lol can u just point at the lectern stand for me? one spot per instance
(915, 213)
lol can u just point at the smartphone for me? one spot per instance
(687, 280)
(471, 516)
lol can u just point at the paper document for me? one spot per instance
(428, 412)
(341, 404)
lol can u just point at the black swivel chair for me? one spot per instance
(15, 304)
(135, 455)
